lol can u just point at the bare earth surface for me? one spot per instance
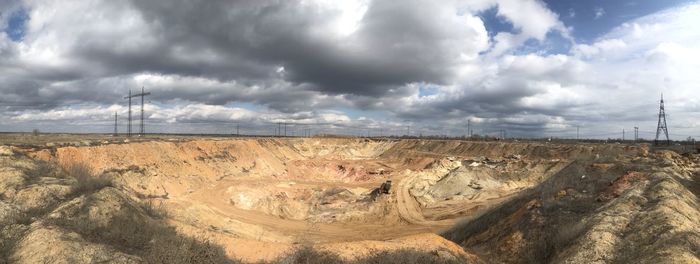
(261, 198)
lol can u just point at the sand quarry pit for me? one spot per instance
(480, 202)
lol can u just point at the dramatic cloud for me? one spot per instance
(348, 65)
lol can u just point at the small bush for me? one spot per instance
(156, 211)
(308, 255)
(85, 180)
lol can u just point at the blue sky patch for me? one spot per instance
(16, 25)
(554, 43)
(591, 19)
(427, 90)
(494, 23)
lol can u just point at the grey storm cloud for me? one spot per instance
(393, 45)
(250, 41)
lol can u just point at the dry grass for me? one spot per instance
(308, 255)
(408, 257)
(155, 242)
(41, 169)
(10, 235)
(133, 233)
(154, 210)
(171, 248)
(85, 180)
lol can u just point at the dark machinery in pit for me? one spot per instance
(385, 188)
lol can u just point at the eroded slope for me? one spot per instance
(636, 210)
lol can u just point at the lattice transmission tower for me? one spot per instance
(142, 126)
(661, 127)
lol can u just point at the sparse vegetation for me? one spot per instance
(154, 241)
(44, 169)
(10, 235)
(408, 257)
(154, 210)
(85, 180)
(308, 255)
(6, 245)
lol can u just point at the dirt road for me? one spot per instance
(211, 204)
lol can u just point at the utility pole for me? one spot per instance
(279, 128)
(408, 130)
(661, 127)
(623, 135)
(636, 134)
(285, 129)
(115, 124)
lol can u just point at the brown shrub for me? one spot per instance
(154, 210)
(308, 255)
(85, 180)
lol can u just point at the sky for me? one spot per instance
(531, 68)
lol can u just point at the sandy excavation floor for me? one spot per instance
(482, 201)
